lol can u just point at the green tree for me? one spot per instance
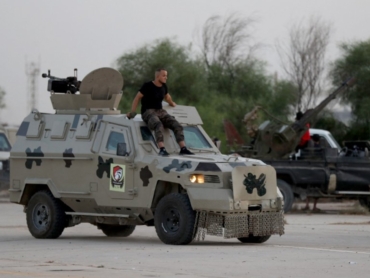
(355, 61)
(253, 86)
(226, 52)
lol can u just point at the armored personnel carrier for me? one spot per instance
(90, 163)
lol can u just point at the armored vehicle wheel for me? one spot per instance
(174, 219)
(117, 231)
(287, 193)
(45, 216)
(253, 239)
(365, 202)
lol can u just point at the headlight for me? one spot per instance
(196, 178)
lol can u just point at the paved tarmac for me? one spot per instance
(334, 243)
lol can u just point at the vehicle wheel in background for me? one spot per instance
(365, 202)
(117, 231)
(287, 193)
(254, 239)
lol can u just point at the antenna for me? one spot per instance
(32, 72)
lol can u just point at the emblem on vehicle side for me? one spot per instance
(252, 182)
(117, 177)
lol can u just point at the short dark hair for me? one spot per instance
(158, 70)
(316, 138)
(299, 115)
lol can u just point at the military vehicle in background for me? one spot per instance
(10, 132)
(312, 172)
(88, 163)
(4, 159)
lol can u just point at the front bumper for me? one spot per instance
(238, 225)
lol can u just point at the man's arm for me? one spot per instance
(169, 100)
(137, 98)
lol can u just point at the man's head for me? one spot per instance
(299, 115)
(161, 75)
(316, 138)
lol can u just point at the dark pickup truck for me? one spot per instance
(325, 172)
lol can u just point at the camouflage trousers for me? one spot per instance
(158, 119)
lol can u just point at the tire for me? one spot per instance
(287, 193)
(117, 231)
(174, 219)
(365, 203)
(254, 239)
(45, 215)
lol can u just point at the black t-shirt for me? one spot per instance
(153, 96)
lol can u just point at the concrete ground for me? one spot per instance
(333, 243)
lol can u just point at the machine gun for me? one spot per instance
(69, 85)
(274, 139)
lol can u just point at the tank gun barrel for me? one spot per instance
(300, 125)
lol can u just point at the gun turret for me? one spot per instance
(274, 139)
(69, 85)
(99, 92)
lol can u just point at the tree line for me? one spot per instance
(225, 80)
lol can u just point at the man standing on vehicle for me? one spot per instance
(151, 95)
(306, 136)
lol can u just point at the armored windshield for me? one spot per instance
(195, 139)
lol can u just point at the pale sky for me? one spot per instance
(89, 34)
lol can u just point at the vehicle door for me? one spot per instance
(116, 170)
(353, 174)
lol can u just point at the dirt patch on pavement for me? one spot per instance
(328, 206)
(351, 223)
